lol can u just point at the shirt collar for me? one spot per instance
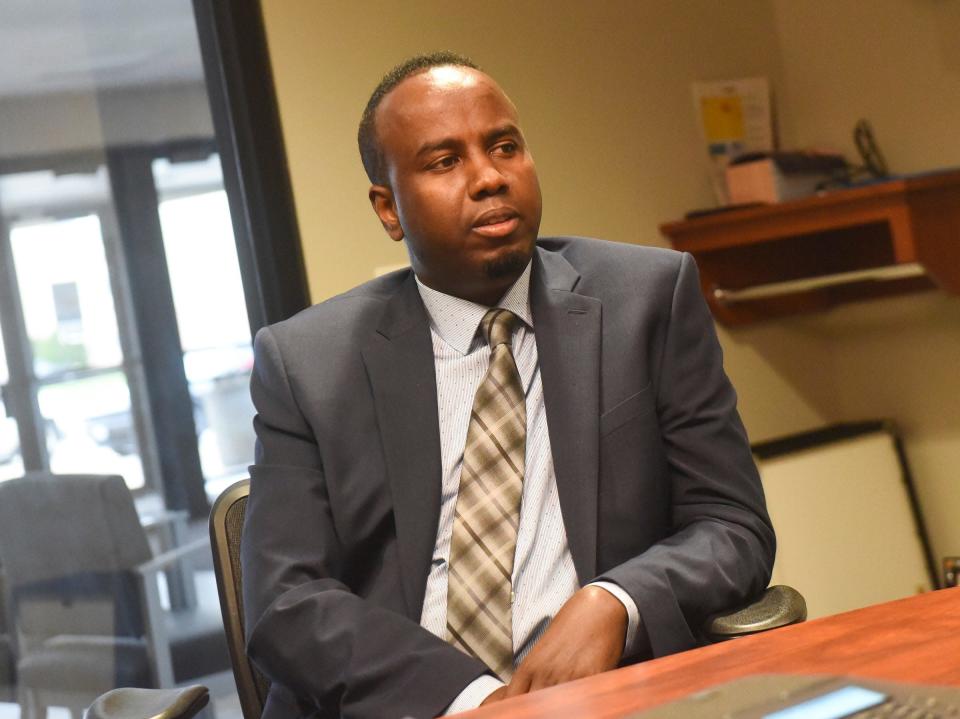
(456, 320)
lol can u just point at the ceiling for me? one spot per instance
(51, 46)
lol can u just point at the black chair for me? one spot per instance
(82, 597)
(226, 528)
(778, 606)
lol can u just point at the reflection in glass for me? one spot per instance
(4, 372)
(90, 428)
(65, 289)
(72, 325)
(10, 463)
(211, 314)
(85, 598)
(89, 93)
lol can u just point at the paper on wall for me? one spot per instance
(735, 119)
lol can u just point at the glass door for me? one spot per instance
(11, 462)
(211, 313)
(78, 363)
(76, 371)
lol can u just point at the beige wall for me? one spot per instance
(897, 63)
(604, 93)
(603, 90)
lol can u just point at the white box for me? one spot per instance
(766, 180)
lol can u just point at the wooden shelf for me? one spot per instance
(810, 254)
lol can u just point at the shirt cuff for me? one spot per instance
(474, 694)
(633, 614)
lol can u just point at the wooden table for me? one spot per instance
(913, 640)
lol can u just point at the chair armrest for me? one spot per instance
(167, 530)
(129, 703)
(778, 606)
(169, 520)
(159, 649)
(162, 561)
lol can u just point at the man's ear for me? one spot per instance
(381, 198)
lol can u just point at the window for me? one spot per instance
(121, 352)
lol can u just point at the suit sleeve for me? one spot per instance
(721, 547)
(306, 629)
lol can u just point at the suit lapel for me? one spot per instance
(568, 331)
(399, 362)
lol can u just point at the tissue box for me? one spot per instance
(779, 176)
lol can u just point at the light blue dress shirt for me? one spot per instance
(544, 577)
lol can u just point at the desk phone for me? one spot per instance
(780, 696)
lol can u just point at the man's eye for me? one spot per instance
(507, 148)
(444, 163)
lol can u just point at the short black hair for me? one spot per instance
(371, 154)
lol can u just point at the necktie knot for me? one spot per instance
(497, 326)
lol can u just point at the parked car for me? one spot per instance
(116, 431)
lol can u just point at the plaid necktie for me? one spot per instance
(488, 507)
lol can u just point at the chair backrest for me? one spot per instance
(68, 545)
(226, 527)
(53, 525)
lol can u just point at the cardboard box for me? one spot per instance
(778, 177)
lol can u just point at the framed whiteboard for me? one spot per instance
(849, 529)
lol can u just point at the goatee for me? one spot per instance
(510, 264)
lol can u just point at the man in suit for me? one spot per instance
(628, 508)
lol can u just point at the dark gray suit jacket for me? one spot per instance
(657, 485)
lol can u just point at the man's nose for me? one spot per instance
(487, 178)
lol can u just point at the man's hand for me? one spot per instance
(585, 638)
(495, 696)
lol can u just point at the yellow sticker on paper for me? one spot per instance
(722, 118)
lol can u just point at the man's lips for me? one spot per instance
(496, 223)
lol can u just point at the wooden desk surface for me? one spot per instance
(913, 640)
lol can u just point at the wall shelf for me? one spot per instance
(806, 255)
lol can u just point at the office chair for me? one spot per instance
(226, 526)
(82, 597)
(776, 607)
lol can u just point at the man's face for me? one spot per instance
(463, 189)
